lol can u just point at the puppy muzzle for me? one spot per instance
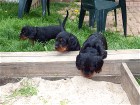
(87, 75)
(61, 48)
(22, 37)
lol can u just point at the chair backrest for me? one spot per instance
(88, 4)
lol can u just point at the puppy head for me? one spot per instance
(66, 42)
(61, 43)
(27, 33)
(89, 64)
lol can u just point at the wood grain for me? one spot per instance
(130, 85)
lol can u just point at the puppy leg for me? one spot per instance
(31, 41)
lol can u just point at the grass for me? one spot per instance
(138, 80)
(26, 89)
(64, 102)
(11, 26)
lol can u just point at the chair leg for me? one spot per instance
(48, 6)
(91, 18)
(98, 22)
(43, 2)
(103, 19)
(21, 7)
(27, 6)
(124, 16)
(81, 17)
(115, 13)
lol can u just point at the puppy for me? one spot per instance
(66, 41)
(41, 34)
(91, 55)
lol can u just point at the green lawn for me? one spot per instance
(10, 26)
(138, 80)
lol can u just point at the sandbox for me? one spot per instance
(118, 74)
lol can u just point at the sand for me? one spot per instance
(75, 91)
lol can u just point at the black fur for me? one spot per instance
(97, 41)
(41, 34)
(91, 55)
(66, 41)
(89, 63)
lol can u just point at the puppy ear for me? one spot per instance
(104, 55)
(78, 61)
(73, 43)
(98, 64)
(101, 50)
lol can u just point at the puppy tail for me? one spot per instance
(62, 24)
(65, 19)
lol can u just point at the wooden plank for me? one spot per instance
(130, 85)
(134, 66)
(38, 54)
(51, 59)
(54, 70)
(116, 56)
(110, 71)
(62, 57)
(55, 53)
(126, 51)
(7, 57)
(37, 59)
(57, 56)
(50, 69)
(61, 65)
(49, 63)
(20, 60)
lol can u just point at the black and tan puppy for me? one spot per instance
(66, 41)
(91, 55)
(41, 34)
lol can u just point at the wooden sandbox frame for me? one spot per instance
(121, 66)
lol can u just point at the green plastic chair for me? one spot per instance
(98, 10)
(24, 6)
